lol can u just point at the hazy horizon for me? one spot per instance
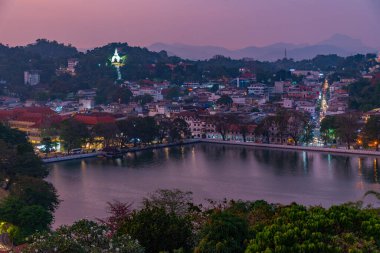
(230, 24)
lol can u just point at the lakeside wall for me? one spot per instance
(298, 148)
(245, 144)
(136, 149)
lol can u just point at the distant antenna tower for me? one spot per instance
(286, 54)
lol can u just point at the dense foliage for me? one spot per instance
(296, 125)
(239, 226)
(169, 221)
(364, 95)
(335, 129)
(134, 130)
(31, 201)
(81, 237)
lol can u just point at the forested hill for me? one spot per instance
(95, 70)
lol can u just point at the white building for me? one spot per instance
(307, 108)
(31, 77)
(238, 100)
(258, 89)
(287, 103)
(71, 65)
(86, 104)
(154, 92)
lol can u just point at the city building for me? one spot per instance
(31, 77)
(258, 89)
(30, 120)
(71, 65)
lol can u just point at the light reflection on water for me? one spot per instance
(212, 171)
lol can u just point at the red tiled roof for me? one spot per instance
(37, 115)
(95, 118)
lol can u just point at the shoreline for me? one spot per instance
(136, 149)
(297, 148)
(221, 142)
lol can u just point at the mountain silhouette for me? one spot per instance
(339, 44)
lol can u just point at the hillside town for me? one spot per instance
(230, 109)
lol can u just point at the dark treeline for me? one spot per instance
(132, 131)
(350, 129)
(284, 125)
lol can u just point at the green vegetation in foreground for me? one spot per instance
(29, 202)
(169, 221)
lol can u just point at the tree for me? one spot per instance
(328, 129)
(348, 126)
(121, 95)
(144, 99)
(158, 230)
(148, 129)
(73, 134)
(297, 124)
(119, 213)
(294, 228)
(173, 92)
(371, 131)
(179, 129)
(173, 201)
(82, 236)
(164, 127)
(363, 95)
(35, 191)
(264, 129)
(108, 131)
(30, 218)
(17, 157)
(222, 123)
(244, 131)
(164, 223)
(225, 100)
(48, 145)
(224, 232)
(127, 132)
(31, 200)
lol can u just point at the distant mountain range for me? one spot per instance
(339, 44)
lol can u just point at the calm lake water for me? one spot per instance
(212, 171)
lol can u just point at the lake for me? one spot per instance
(212, 171)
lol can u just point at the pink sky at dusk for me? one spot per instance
(228, 23)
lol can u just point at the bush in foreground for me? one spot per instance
(170, 222)
(83, 236)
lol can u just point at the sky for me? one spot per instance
(228, 23)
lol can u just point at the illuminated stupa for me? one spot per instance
(118, 61)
